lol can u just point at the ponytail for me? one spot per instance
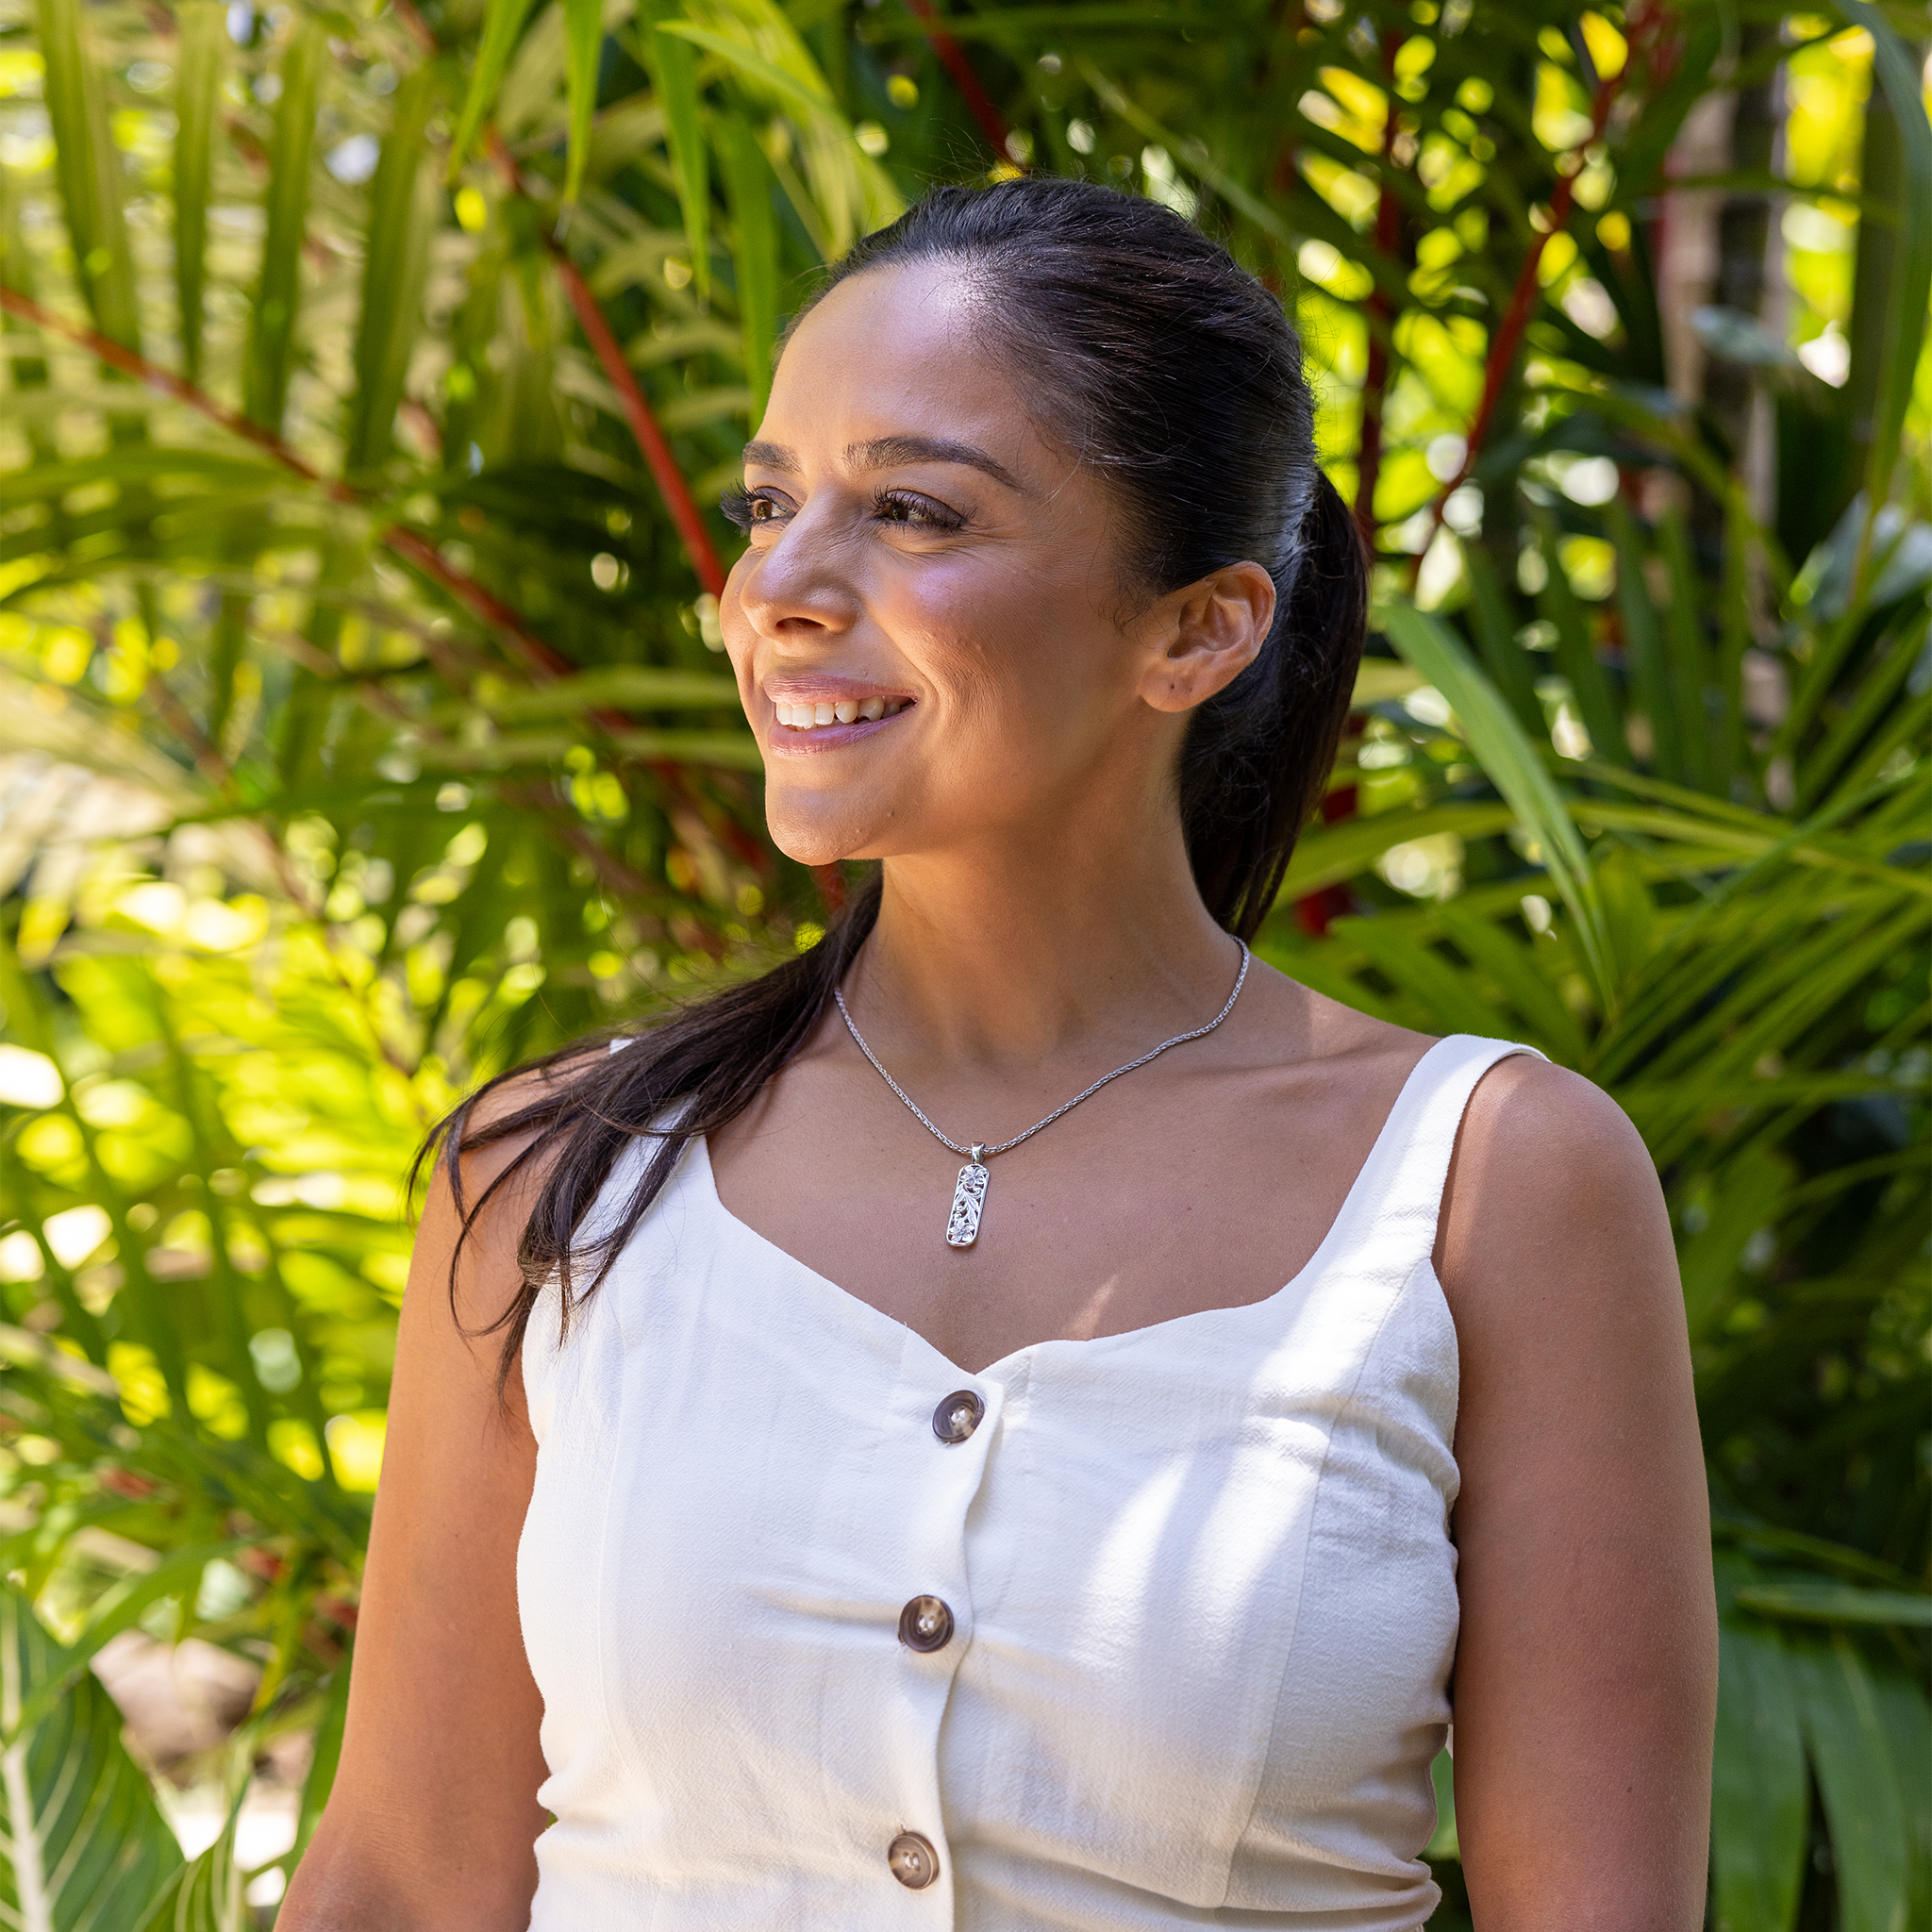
(1258, 753)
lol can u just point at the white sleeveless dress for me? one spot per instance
(1192, 1587)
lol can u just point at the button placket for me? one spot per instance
(943, 1456)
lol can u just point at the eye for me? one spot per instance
(748, 508)
(918, 512)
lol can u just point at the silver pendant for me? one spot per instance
(969, 1202)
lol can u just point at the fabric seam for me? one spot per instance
(1342, 1414)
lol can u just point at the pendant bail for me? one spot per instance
(977, 1153)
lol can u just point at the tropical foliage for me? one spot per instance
(366, 375)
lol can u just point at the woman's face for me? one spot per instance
(928, 626)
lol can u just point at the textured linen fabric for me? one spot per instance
(1203, 1588)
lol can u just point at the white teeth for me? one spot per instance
(807, 717)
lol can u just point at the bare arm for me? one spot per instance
(1585, 1677)
(434, 1813)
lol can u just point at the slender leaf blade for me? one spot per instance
(278, 288)
(88, 168)
(198, 78)
(748, 183)
(503, 22)
(1513, 765)
(583, 47)
(402, 210)
(1863, 1803)
(673, 80)
(1761, 1795)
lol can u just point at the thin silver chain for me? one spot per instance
(979, 1151)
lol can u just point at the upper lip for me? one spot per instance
(826, 688)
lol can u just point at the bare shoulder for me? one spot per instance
(467, 1244)
(492, 1130)
(1552, 1213)
(1538, 1139)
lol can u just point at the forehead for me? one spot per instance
(896, 351)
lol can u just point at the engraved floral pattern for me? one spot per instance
(969, 1198)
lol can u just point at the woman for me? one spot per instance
(851, 1535)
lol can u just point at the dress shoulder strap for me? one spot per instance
(1397, 1198)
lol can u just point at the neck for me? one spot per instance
(1010, 952)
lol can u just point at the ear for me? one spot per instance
(1207, 635)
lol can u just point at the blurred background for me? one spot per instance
(367, 382)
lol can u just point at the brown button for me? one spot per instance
(958, 1416)
(925, 1624)
(913, 1861)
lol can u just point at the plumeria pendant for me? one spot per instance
(968, 1195)
(968, 1201)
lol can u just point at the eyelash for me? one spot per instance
(917, 512)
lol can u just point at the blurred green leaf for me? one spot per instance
(1514, 766)
(1838, 1702)
(85, 1844)
(198, 79)
(673, 80)
(1836, 1603)
(402, 220)
(278, 289)
(583, 39)
(1760, 1800)
(503, 21)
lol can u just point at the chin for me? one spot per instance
(814, 838)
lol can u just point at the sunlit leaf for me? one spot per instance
(85, 1844)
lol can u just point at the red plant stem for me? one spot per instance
(536, 655)
(406, 545)
(643, 423)
(671, 488)
(1374, 387)
(415, 25)
(118, 355)
(1381, 316)
(1522, 301)
(529, 649)
(665, 473)
(952, 58)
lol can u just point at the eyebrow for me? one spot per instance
(883, 451)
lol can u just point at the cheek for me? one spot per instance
(1011, 643)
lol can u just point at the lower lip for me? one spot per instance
(787, 743)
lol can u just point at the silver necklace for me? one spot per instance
(969, 1197)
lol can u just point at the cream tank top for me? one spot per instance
(1146, 1631)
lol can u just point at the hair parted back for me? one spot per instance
(1149, 353)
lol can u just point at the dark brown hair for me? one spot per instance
(1155, 357)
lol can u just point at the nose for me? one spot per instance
(795, 592)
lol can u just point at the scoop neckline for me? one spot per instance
(1344, 1216)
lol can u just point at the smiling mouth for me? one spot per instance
(803, 716)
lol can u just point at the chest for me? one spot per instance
(1198, 1598)
(1192, 1189)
